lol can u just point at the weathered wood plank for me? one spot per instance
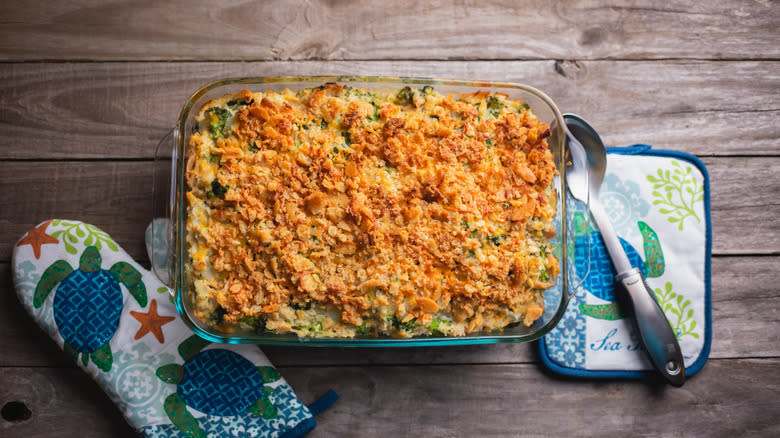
(117, 196)
(520, 400)
(114, 196)
(234, 30)
(121, 110)
(63, 402)
(728, 398)
(23, 343)
(738, 200)
(743, 293)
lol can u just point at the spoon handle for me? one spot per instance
(654, 329)
(615, 250)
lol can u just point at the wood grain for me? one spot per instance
(117, 197)
(728, 398)
(740, 190)
(64, 402)
(742, 288)
(292, 30)
(121, 110)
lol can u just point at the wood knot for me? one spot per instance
(592, 36)
(569, 69)
(15, 412)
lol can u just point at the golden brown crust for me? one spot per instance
(424, 206)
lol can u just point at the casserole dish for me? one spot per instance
(170, 261)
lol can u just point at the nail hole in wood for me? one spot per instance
(15, 412)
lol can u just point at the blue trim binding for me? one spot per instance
(644, 149)
(315, 408)
(323, 402)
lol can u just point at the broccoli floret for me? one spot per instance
(406, 96)
(427, 90)
(315, 328)
(435, 324)
(217, 120)
(513, 324)
(257, 323)
(248, 320)
(405, 326)
(375, 117)
(494, 106)
(497, 239)
(218, 189)
(544, 275)
(238, 103)
(218, 315)
(306, 305)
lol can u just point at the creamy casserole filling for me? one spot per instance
(338, 211)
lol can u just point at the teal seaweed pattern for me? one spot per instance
(676, 308)
(72, 232)
(676, 191)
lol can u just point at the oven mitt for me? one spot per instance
(658, 202)
(117, 322)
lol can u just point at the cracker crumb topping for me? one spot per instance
(338, 211)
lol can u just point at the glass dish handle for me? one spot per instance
(159, 244)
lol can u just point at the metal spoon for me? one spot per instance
(589, 161)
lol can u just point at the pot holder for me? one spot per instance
(658, 202)
(118, 322)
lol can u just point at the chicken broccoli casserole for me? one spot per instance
(338, 211)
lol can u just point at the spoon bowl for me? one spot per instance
(594, 149)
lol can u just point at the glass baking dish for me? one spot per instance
(169, 253)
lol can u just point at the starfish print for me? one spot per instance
(151, 322)
(37, 237)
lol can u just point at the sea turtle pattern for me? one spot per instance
(88, 303)
(600, 281)
(216, 382)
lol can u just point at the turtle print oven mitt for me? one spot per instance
(118, 322)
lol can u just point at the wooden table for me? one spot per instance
(87, 89)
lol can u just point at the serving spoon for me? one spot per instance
(584, 176)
